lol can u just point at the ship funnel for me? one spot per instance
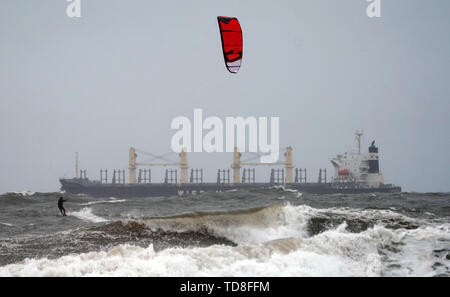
(373, 159)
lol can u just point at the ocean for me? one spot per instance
(257, 232)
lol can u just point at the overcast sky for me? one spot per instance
(117, 76)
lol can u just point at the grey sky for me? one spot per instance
(117, 77)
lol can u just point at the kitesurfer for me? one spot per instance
(61, 206)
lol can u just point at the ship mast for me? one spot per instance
(358, 139)
(76, 164)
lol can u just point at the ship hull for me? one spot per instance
(94, 189)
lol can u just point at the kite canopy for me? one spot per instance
(231, 34)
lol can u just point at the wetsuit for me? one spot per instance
(61, 206)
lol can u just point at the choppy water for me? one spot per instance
(266, 232)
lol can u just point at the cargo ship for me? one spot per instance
(354, 173)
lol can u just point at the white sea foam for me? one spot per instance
(281, 187)
(415, 256)
(126, 260)
(112, 200)
(86, 214)
(6, 224)
(331, 253)
(24, 193)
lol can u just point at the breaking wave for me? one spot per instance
(23, 193)
(278, 240)
(279, 221)
(18, 194)
(112, 200)
(332, 253)
(86, 214)
(243, 226)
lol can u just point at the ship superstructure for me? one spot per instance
(358, 167)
